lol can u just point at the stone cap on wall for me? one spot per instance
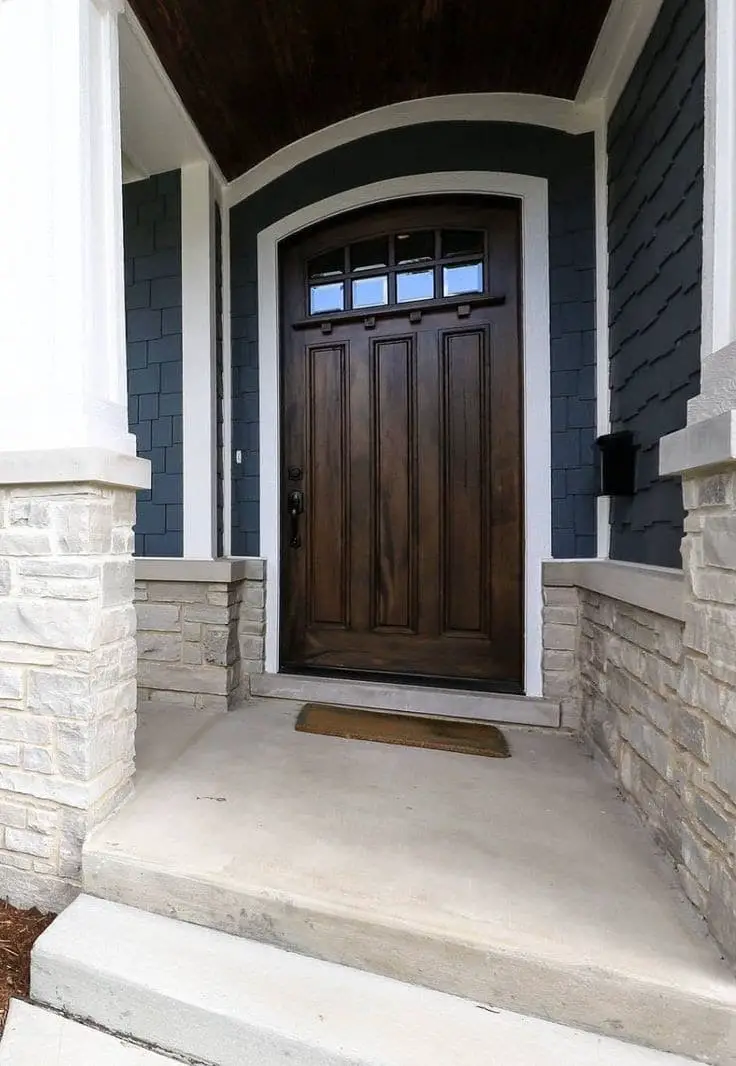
(216, 571)
(704, 445)
(74, 466)
(653, 588)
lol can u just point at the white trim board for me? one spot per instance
(533, 195)
(623, 35)
(602, 346)
(524, 108)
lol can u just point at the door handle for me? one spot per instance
(295, 507)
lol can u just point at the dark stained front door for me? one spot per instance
(401, 445)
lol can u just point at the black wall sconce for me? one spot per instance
(616, 464)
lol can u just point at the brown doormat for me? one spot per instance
(413, 731)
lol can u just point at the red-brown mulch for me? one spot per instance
(18, 932)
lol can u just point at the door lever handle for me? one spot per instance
(295, 507)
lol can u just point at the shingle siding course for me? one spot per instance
(567, 163)
(152, 238)
(655, 145)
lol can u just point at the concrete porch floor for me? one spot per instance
(524, 883)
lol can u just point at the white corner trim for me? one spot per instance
(227, 387)
(214, 571)
(533, 194)
(525, 108)
(96, 466)
(653, 588)
(198, 362)
(700, 446)
(602, 382)
(620, 43)
(718, 326)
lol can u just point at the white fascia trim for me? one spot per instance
(198, 362)
(602, 354)
(552, 112)
(620, 43)
(189, 132)
(533, 194)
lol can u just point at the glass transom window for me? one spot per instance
(401, 268)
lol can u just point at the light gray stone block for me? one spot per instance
(161, 616)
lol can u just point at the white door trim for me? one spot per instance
(533, 194)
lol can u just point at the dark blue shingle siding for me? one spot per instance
(567, 163)
(152, 237)
(655, 145)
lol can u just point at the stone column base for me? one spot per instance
(67, 677)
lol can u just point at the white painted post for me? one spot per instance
(719, 207)
(603, 385)
(62, 329)
(199, 351)
(68, 469)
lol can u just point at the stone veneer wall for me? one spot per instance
(199, 640)
(657, 696)
(67, 679)
(560, 640)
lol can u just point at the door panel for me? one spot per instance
(404, 426)
(394, 489)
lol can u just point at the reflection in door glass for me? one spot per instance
(369, 255)
(326, 298)
(465, 242)
(327, 265)
(414, 247)
(460, 279)
(370, 292)
(415, 285)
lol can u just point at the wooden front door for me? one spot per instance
(401, 485)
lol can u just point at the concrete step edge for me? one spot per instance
(233, 1002)
(35, 1036)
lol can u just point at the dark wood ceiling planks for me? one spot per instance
(256, 75)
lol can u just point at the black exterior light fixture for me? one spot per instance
(616, 464)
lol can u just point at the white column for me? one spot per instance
(719, 207)
(62, 340)
(68, 469)
(198, 372)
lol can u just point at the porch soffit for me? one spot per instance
(255, 77)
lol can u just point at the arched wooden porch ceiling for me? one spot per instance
(256, 75)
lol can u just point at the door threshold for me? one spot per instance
(436, 701)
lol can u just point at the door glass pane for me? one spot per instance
(414, 247)
(467, 277)
(415, 285)
(369, 255)
(370, 292)
(326, 298)
(464, 242)
(327, 265)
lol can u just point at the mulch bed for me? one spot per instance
(18, 933)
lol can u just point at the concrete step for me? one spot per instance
(233, 1002)
(410, 699)
(37, 1037)
(523, 882)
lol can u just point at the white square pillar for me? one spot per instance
(68, 470)
(199, 333)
